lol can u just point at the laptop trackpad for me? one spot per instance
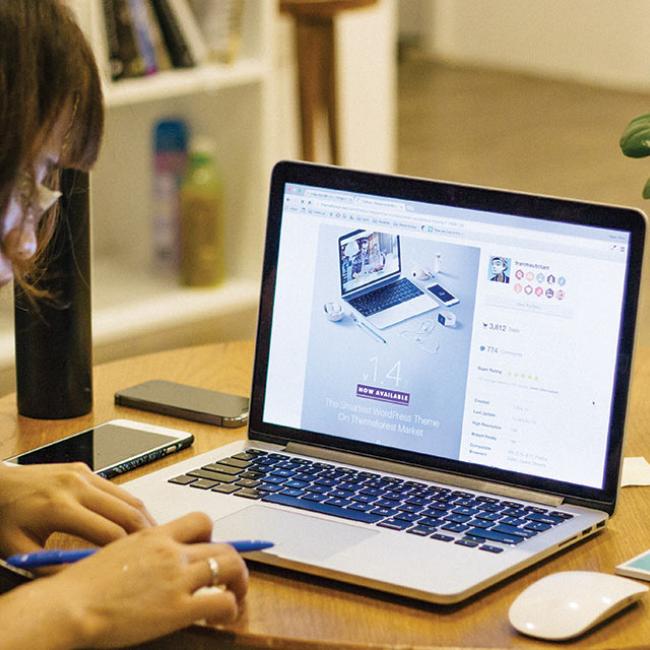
(296, 536)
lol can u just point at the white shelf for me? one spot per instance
(128, 302)
(180, 83)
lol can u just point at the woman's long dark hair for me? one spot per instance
(46, 66)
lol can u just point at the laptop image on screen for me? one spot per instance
(370, 266)
(459, 446)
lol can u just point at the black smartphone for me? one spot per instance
(188, 402)
(110, 448)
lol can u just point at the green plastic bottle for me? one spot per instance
(201, 200)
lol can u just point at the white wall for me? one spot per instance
(605, 42)
(367, 78)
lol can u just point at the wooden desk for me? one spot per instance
(285, 610)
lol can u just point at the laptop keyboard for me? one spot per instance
(424, 509)
(385, 297)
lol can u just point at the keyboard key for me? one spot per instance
(394, 524)
(513, 530)
(406, 516)
(234, 462)
(481, 523)
(457, 519)
(244, 456)
(430, 522)
(490, 507)
(513, 521)
(314, 496)
(544, 519)
(407, 507)
(269, 487)
(442, 538)
(292, 492)
(422, 531)
(213, 476)
(561, 515)
(494, 536)
(362, 507)
(489, 516)
(455, 528)
(282, 473)
(537, 525)
(341, 503)
(224, 469)
(274, 480)
(364, 498)
(183, 479)
(247, 482)
(251, 474)
(471, 543)
(203, 484)
(491, 549)
(323, 508)
(249, 493)
(226, 488)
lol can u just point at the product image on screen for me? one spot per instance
(366, 257)
(99, 448)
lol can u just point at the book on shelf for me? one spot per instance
(189, 26)
(179, 50)
(145, 36)
(163, 60)
(117, 14)
(142, 35)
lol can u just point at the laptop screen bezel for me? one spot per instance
(629, 220)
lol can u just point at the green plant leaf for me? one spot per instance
(635, 141)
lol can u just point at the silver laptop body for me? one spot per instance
(460, 446)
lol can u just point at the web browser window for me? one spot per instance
(513, 353)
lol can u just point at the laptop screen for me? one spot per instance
(513, 369)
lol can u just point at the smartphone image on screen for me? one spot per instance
(188, 402)
(442, 295)
(110, 448)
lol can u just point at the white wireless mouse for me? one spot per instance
(566, 604)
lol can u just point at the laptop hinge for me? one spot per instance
(425, 474)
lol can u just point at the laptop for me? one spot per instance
(434, 458)
(370, 265)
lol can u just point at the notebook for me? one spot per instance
(435, 457)
(370, 265)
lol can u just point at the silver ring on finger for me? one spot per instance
(214, 571)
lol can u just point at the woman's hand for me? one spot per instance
(133, 590)
(37, 500)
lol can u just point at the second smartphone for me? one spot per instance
(188, 402)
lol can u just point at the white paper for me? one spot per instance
(636, 471)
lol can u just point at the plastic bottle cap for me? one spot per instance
(203, 144)
(170, 135)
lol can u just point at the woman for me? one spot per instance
(145, 582)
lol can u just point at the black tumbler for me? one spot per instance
(53, 334)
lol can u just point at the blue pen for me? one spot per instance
(48, 558)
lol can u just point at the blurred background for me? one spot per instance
(529, 96)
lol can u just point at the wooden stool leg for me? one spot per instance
(329, 88)
(316, 82)
(308, 53)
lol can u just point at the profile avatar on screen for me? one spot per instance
(500, 269)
